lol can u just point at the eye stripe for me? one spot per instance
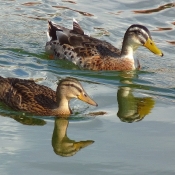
(142, 29)
(69, 81)
(72, 85)
(141, 32)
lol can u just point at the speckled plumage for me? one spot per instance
(91, 53)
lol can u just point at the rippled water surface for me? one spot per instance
(137, 133)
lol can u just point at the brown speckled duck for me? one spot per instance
(27, 96)
(94, 54)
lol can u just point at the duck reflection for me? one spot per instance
(29, 120)
(132, 109)
(61, 144)
(25, 120)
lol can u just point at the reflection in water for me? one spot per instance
(132, 109)
(171, 42)
(29, 120)
(81, 12)
(73, 2)
(62, 145)
(160, 8)
(25, 120)
(102, 32)
(20, 117)
(118, 13)
(163, 28)
(31, 3)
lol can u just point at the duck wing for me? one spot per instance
(100, 47)
(79, 40)
(85, 51)
(57, 32)
(26, 95)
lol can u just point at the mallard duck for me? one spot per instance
(26, 95)
(93, 54)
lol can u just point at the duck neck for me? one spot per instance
(63, 107)
(60, 129)
(128, 49)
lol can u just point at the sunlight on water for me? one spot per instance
(132, 129)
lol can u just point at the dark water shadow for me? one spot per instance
(23, 119)
(78, 11)
(31, 3)
(171, 42)
(20, 117)
(72, 2)
(163, 28)
(158, 9)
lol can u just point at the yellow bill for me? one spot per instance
(84, 97)
(152, 47)
(82, 144)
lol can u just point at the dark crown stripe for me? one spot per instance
(143, 34)
(140, 28)
(73, 85)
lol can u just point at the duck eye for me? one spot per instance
(138, 32)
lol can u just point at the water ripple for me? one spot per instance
(158, 9)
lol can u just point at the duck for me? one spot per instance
(94, 54)
(28, 96)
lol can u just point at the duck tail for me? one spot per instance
(52, 30)
(4, 86)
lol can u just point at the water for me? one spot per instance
(135, 136)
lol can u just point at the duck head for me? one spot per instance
(138, 35)
(68, 89)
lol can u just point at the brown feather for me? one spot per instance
(88, 52)
(94, 54)
(26, 95)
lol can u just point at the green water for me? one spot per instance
(137, 133)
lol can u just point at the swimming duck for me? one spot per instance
(94, 54)
(26, 95)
